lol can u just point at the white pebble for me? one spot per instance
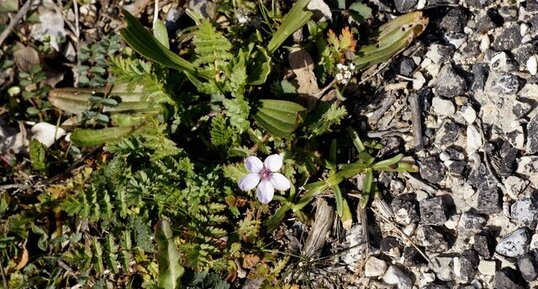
(485, 42)
(523, 29)
(469, 114)
(474, 140)
(532, 64)
(487, 267)
(443, 107)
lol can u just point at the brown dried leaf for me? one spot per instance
(303, 66)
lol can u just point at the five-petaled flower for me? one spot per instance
(266, 176)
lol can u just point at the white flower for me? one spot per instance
(352, 66)
(347, 75)
(264, 175)
(339, 77)
(344, 81)
(340, 66)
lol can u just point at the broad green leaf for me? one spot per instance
(38, 155)
(360, 12)
(296, 18)
(342, 208)
(160, 33)
(170, 270)
(393, 37)
(94, 137)
(148, 46)
(79, 100)
(262, 67)
(279, 117)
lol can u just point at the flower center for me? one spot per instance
(265, 174)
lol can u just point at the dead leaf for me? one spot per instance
(303, 66)
(250, 261)
(25, 58)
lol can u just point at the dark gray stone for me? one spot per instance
(505, 159)
(454, 21)
(507, 84)
(471, 222)
(509, 38)
(479, 3)
(489, 201)
(455, 153)
(451, 132)
(390, 246)
(449, 83)
(457, 168)
(435, 286)
(432, 170)
(484, 22)
(480, 178)
(532, 136)
(412, 257)
(521, 109)
(508, 13)
(528, 265)
(522, 54)
(468, 266)
(433, 211)
(480, 75)
(405, 208)
(405, 66)
(531, 5)
(482, 245)
(514, 244)
(431, 239)
(508, 278)
(525, 212)
(404, 6)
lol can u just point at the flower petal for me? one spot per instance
(248, 182)
(273, 163)
(265, 192)
(279, 182)
(253, 164)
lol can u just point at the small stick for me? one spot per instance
(77, 46)
(417, 122)
(22, 12)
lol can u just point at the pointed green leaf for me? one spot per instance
(160, 33)
(94, 137)
(296, 18)
(393, 37)
(148, 46)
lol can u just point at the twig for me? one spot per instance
(15, 20)
(417, 121)
(77, 46)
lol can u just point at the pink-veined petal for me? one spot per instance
(273, 163)
(249, 181)
(279, 182)
(265, 192)
(253, 164)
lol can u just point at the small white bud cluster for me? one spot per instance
(344, 72)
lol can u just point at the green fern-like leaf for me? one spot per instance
(211, 47)
(221, 133)
(326, 117)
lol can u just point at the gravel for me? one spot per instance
(449, 83)
(514, 244)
